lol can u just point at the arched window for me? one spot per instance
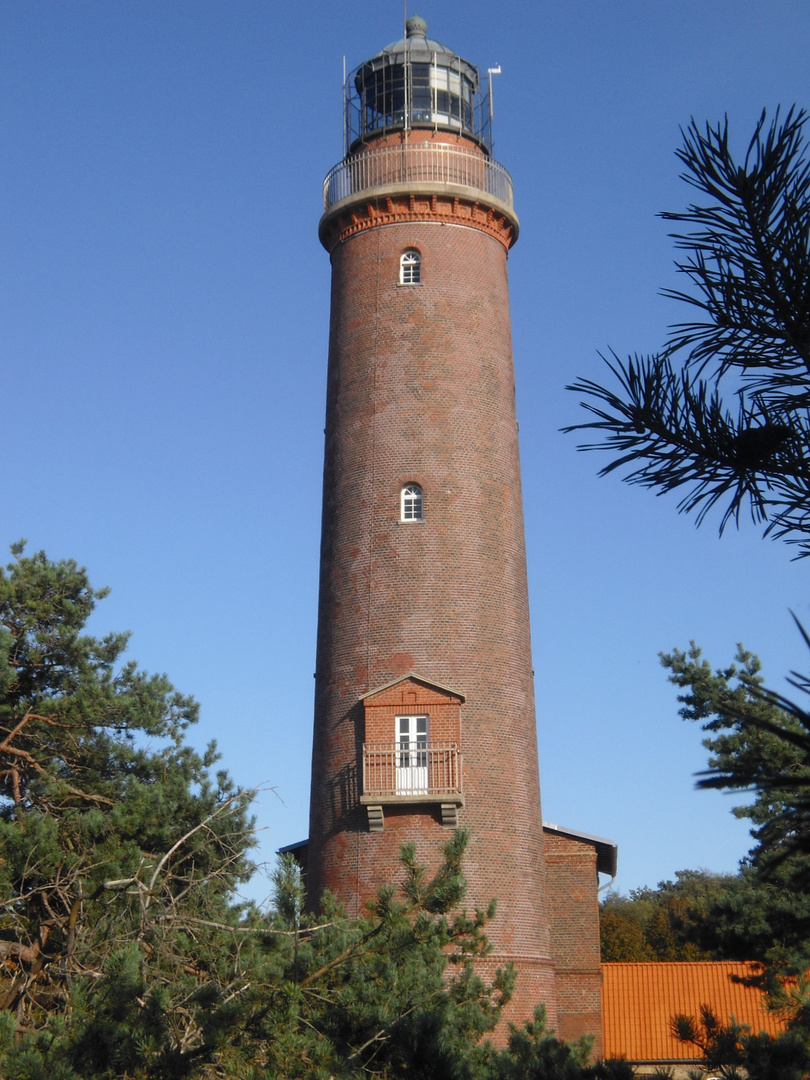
(411, 503)
(410, 267)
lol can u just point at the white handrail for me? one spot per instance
(412, 163)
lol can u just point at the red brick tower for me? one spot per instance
(424, 701)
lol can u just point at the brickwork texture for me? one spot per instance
(574, 914)
(421, 389)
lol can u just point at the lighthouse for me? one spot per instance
(424, 698)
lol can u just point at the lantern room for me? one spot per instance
(416, 83)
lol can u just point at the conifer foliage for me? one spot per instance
(759, 744)
(723, 411)
(123, 952)
(721, 415)
(119, 851)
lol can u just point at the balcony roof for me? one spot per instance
(419, 679)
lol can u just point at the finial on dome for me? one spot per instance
(416, 27)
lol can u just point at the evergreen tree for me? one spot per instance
(119, 850)
(668, 423)
(723, 412)
(123, 954)
(755, 746)
(733, 1051)
(759, 742)
(746, 245)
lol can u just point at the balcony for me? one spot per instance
(417, 164)
(412, 772)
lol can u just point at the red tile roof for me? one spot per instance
(640, 1000)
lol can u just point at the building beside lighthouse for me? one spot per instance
(424, 696)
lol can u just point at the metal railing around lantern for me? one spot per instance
(414, 163)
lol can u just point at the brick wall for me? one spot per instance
(411, 696)
(421, 388)
(574, 911)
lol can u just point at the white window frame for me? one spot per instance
(412, 734)
(410, 267)
(411, 503)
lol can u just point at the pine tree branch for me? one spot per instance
(749, 264)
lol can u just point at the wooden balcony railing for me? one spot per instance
(411, 771)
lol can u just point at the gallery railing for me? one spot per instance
(414, 163)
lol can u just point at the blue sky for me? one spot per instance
(163, 337)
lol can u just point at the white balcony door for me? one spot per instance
(412, 757)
